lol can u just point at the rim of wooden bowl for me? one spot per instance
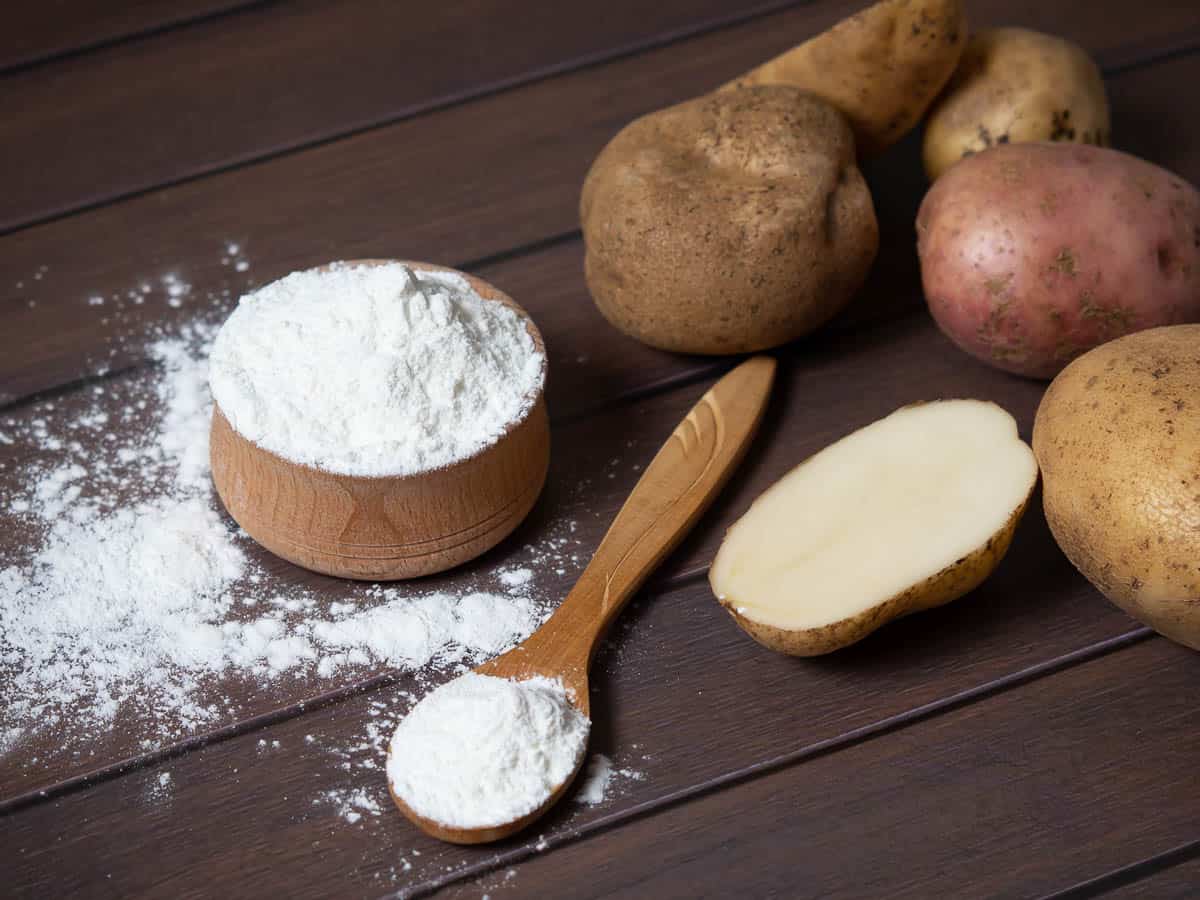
(488, 292)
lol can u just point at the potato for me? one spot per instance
(1118, 439)
(882, 67)
(908, 513)
(1014, 85)
(729, 223)
(1034, 253)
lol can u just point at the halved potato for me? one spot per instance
(908, 513)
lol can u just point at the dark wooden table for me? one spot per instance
(1028, 740)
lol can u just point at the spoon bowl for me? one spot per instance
(678, 485)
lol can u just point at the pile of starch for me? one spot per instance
(481, 751)
(374, 369)
(132, 596)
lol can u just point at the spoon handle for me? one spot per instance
(678, 485)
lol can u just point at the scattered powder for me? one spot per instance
(481, 751)
(595, 780)
(436, 372)
(132, 595)
(352, 804)
(598, 778)
(515, 577)
(160, 788)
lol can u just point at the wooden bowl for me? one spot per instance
(388, 527)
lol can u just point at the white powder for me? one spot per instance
(515, 577)
(374, 370)
(134, 595)
(352, 804)
(597, 779)
(482, 751)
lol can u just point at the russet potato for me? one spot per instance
(727, 224)
(881, 68)
(1117, 436)
(1012, 86)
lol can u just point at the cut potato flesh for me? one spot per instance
(907, 513)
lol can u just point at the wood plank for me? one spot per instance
(1011, 796)
(1066, 625)
(1178, 882)
(281, 82)
(37, 32)
(391, 201)
(1036, 608)
(286, 75)
(663, 726)
(671, 702)
(622, 370)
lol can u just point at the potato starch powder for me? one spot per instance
(373, 369)
(482, 751)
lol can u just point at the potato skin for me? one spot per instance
(727, 224)
(1013, 86)
(1117, 436)
(1034, 253)
(881, 67)
(939, 589)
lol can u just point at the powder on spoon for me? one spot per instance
(482, 751)
(374, 369)
(129, 601)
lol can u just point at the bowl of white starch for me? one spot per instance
(377, 419)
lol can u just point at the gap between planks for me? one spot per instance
(1112, 62)
(657, 587)
(854, 737)
(446, 101)
(1130, 874)
(1129, 59)
(679, 380)
(140, 33)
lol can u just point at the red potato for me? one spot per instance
(1032, 254)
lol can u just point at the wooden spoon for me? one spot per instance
(675, 489)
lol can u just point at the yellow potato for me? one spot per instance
(1012, 86)
(1118, 439)
(882, 67)
(908, 513)
(729, 223)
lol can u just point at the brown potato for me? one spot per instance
(730, 223)
(1014, 85)
(882, 67)
(1117, 437)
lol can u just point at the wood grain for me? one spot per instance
(286, 75)
(270, 80)
(675, 489)
(825, 389)
(677, 486)
(1012, 795)
(1027, 796)
(38, 32)
(1177, 882)
(276, 78)
(410, 190)
(680, 682)
(384, 528)
(680, 665)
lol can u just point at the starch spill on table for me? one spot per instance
(131, 600)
